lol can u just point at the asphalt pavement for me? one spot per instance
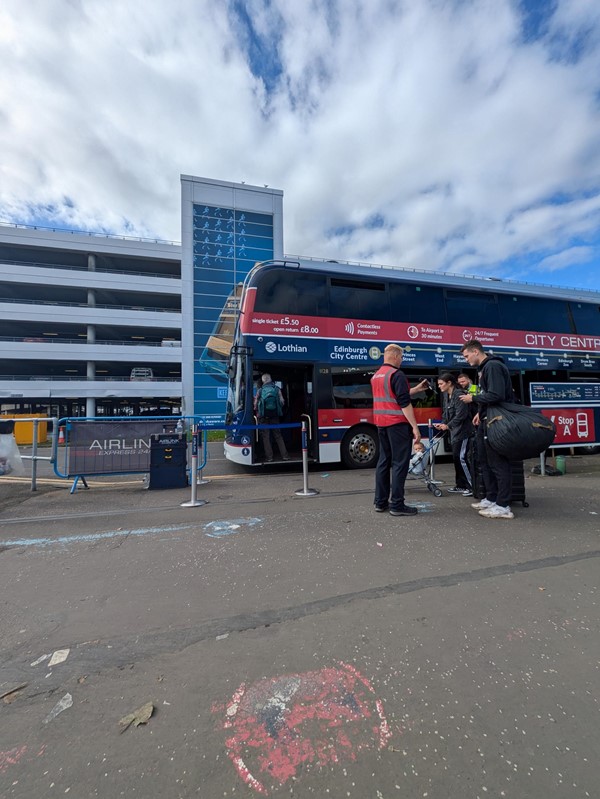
(298, 646)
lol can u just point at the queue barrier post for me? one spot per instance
(194, 502)
(202, 431)
(305, 491)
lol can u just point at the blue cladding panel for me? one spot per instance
(227, 244)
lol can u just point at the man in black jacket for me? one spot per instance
(494, 386)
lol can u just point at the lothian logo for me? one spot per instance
(270, 347)
(413, 332)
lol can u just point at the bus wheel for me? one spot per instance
(360, 448)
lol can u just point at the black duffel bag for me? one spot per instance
(518, 432)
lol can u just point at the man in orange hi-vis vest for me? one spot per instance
(397, 427)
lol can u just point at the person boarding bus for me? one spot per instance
(268, 405)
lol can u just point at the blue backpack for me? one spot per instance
(269, 403)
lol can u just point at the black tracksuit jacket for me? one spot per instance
(494, 384)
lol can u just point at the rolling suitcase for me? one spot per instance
(518, 479)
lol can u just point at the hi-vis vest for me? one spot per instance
(386, 410)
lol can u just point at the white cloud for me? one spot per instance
(436, 116)
(566, 258)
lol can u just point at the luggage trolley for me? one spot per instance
(420, 466)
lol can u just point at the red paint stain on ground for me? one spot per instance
(11, 757)
(280, 725)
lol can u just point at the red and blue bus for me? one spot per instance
(320, 327)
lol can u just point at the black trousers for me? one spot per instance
(265, 436)
(496, 471)
(395, 446)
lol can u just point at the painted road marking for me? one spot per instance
(79, 539)
(279, 728)
(216, 529)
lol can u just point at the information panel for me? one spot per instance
(565, 393)
(573, 407)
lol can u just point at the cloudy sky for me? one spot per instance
(456, 135)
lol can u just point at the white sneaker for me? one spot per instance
(497, 512)
(485, 503)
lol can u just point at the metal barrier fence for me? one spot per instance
(95, 446)
(100, 446)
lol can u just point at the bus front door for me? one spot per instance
(296, 383)
(300, 406)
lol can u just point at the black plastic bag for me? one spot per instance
(518, 432)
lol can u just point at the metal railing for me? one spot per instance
(34, 457)
(61, 304)
(59, 340)
(97, 379)
(435, 273)
(90, 272)
(18, 226)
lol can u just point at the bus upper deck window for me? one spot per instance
(359, 299)
(284, 292)
(586, 316)
(543, 314)
(472, 308)
(423, 304)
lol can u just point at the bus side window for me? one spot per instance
(351, 388)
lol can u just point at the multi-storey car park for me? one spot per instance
(90, 324)
(98, 325)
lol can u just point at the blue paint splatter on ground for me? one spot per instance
(424, 507)
(228, 527)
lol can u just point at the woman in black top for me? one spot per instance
(457, 420)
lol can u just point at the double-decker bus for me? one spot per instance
(320, 327)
